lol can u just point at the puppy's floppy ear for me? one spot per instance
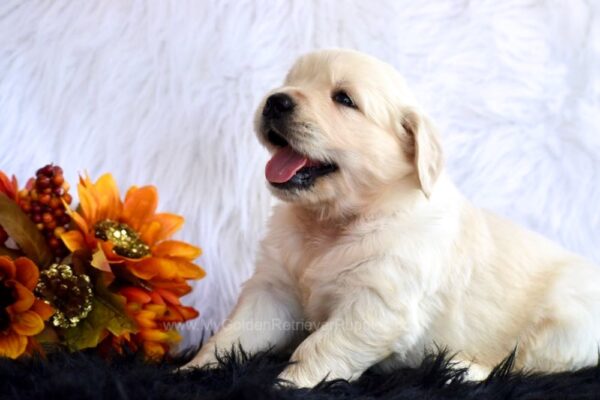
(428, 156)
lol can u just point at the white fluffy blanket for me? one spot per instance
(163, 92)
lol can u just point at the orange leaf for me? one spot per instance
(88, 205)
(146, 319)
(108, 198)
(100, 261)
(74, 240)
(146, 268)
(156, 299)
(7, 268)
(188, 312)
(168, 296)
(154, 335)
(157, 309)
(169, 224)
(154, 350)
(188, 270)
(134, 294)
(175, 248)
(140, 205)
(27, 272)
(28, 323)
(178, 286)
(78, 219)
(44, 310)
(12, 345)
(163, 268)
(108, 249)
(9, 186)
(24, 297)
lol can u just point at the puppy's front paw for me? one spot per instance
(293, 376)
(474, 372)
(205, 358)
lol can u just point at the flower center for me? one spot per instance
(69, 294)
(126, 241)
(7, 297)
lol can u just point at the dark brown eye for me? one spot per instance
(342, 98)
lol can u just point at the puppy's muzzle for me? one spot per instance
(278, 105)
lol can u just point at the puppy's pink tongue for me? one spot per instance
(284, 165)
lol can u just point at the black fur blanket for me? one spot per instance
(85, 376)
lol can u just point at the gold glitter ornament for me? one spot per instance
(126, 241)
(68, 293)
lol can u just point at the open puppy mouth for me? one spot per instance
(289, 169)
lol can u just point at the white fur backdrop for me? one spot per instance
(163, 92)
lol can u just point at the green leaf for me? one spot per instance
(115, 302)
(20, 228)
(47, 336)
(121, 325)
(90, 332)
(107, 314)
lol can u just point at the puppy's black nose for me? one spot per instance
(277, 105)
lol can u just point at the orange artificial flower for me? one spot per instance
(9, 186)
(21, 314)
(131, 233)
(152, 311)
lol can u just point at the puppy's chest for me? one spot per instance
(317, 272)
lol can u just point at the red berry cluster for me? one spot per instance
(42, 201)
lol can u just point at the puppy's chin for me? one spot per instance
(320, 192)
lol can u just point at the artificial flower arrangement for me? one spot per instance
(104, 275)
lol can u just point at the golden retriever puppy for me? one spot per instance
(374, 257)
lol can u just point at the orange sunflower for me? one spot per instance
(21, 314)
(132, 234)
(153, 311)
(10, 188)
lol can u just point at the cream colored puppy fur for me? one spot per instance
(384, 259)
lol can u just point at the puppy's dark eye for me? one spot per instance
(342, 98)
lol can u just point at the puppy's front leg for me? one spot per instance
(369, 323)
(263, 318)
